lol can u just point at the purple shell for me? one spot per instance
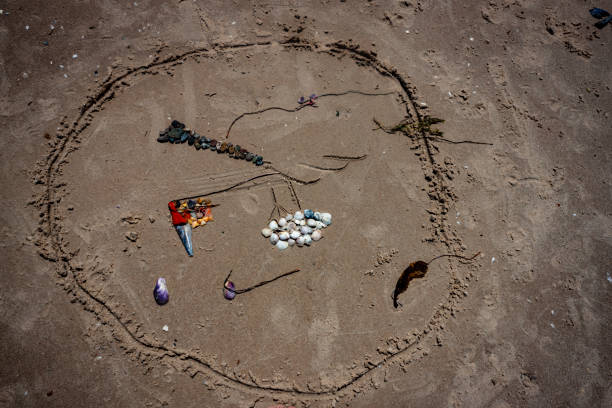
(228, 290)
(160, 293)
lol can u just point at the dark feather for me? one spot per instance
(415, 270)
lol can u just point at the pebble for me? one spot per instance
(282, 245)
(273, 225)
(291, 242)
(282, 222)
(316, 235)
(298, 216)
(273, 239)
(266, 232)
(311, 223)
(295, 234)
(283, 236)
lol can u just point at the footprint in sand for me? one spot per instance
(250, 203)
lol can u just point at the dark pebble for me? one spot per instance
(249, 156)
(177, 124)
(184, 137)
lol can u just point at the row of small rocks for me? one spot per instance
(178, 133)
(301, 228)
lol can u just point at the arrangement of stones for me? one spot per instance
(178, 133)
(297, 229)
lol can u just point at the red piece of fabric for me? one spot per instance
(177, 217)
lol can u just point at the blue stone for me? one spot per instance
(308, 214)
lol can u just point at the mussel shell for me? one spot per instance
(160, 293)
(228, 290)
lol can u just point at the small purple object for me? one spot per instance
(313, 97)
(301, 100)
(160, 293)
(228, 290)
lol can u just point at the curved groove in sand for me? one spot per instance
(52, 248)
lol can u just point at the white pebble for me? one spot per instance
(307, 240)
(289, 217)
(283, 236)
(74, 56)
(282, 245)
(311, 223)
(320, 225)
(326, 218)
(316, 235)
(273, 239)
(282, 222)
(305, 230)
(291, 226)
(291, 242)
(295, 234)
(302, 222)
(273, 225)
(298, 215)
(300, 241)
(165, 328)
(266, 232)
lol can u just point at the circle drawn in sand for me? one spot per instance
(336, 340)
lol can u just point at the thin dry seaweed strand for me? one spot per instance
(334, 156)
(300, 107)
(327, 168)
(257, 285)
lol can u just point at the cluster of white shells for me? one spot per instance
(297, 229)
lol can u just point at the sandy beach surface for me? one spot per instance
(518, 173)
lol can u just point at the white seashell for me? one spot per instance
(273, 225)
(289, 217)
(273, 239)
(300, 241)
(307, 240)
(291, 226)
(295, 234)
(282, 222)
(320, 225)
(305, 230)
(266, 232)
(282, 245)
(311, 223)
(298, 215)
(291, 242)
(302, 222)
(326, 218)
(316, 235)
(284, 236)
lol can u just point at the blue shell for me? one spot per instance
(308, 214)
